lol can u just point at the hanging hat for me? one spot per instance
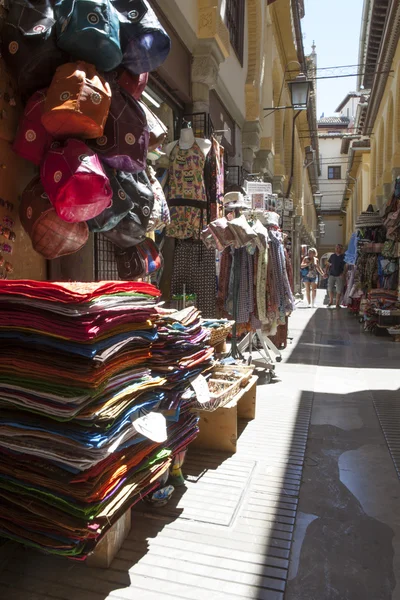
(235, 200)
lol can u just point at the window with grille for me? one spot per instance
(234, 18)
(334, 172)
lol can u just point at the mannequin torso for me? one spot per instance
(187, 140)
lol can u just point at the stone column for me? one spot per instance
(298, 224)
(206, 60)
(250, 143)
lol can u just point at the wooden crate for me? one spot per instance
(219, 429)
(109, 546)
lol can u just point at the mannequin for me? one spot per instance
(186, 141)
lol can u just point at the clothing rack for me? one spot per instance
(268, 352)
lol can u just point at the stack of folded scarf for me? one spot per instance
(87, 428)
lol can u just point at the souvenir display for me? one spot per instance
(125, 141)
(71, 104)
(157, 129)
(75, 181)
(32, 140)
(77, 102)
(89, 30)
(51, 236)
(133, 84)
(145, 43)
(131, 230)
(28, 44)
(139, 261)
(372, 278)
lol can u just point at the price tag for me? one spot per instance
(200, 386)
(153, 426)
(385, 313)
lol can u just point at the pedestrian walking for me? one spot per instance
(335, 271)
(309, 269)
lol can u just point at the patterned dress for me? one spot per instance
(187, 193)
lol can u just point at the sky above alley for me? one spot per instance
(335, 28)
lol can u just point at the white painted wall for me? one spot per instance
(333, 232)
(329, 149)
(189, 10)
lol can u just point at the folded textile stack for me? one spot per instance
(384, 299)
(181, 350)
(86, 428)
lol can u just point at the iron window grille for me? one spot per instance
(234, 18)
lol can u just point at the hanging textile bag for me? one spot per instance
(121, 202)
(75, 181)
(78, 101)
(32, 140)
(144, 41)
(28, 44)
(157, 129)
(133, 84)
(50, 236)
(160, 216)
(89, 30)
(139, 261)
(124, 144)
(131, 230)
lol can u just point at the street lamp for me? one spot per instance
(300, 91)
(317, 200)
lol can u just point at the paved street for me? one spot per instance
(304, 510)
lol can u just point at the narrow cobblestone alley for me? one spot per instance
(304, 510)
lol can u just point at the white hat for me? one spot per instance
(235, 200)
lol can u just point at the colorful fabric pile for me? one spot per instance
(87, 428)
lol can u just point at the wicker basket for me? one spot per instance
(219, 334)
(244, 371)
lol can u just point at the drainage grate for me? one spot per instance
(388, 413)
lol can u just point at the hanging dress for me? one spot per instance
(187, 193)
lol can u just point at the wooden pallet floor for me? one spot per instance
(226, 534)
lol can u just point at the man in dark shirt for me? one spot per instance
(335, 270)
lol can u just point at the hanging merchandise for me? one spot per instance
(187, 194)
(214, 180)
(89, 30)
(139, 261)
(77, 103)
(253, 284)
(75, 181)
(145, 43)
(158, 131)
(28, 44)
(133, 84)
(7, 233)
(160, 216)
(124, 144)
(131, 230)
(122, 202)
(50, 236)
(195, 271)
(32, 140)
